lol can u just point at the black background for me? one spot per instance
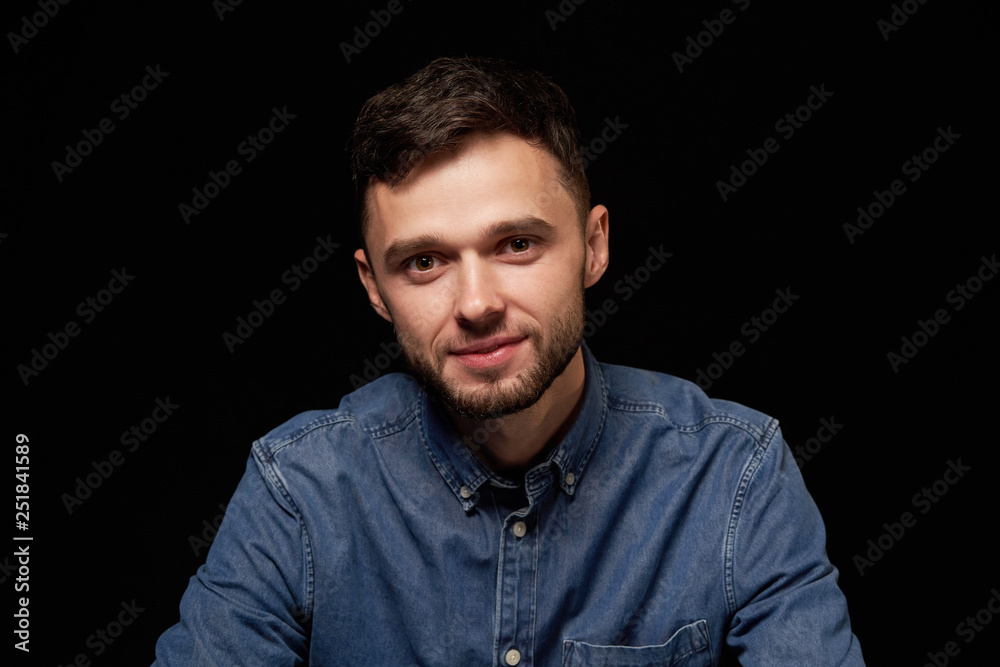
(826, 357)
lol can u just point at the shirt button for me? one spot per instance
(464, 492)
(570, 478)
(513, 657)
(519, 530)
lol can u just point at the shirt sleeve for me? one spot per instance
(248, 604)
(781, 587)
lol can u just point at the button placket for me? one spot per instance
(516, 590)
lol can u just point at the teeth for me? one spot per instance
(488, 350)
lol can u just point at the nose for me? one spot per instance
(477, 292)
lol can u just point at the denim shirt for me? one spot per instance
(665, 529)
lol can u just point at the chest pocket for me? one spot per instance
(688, 647)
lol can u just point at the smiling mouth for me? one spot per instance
(491, 344)
(490, 355)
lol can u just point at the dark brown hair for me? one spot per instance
(436, 109)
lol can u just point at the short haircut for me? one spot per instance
(438, 107)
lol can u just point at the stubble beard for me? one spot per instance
(498, 396)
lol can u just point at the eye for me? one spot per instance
(421, 263)
(520, 245)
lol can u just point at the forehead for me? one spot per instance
(491, 178)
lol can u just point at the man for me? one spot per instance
(517, 503)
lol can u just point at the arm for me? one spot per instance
(780, 585)
(248, 603)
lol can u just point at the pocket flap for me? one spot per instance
(688, 647)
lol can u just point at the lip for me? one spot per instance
(506, 347)
(487, 343)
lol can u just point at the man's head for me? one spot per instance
(473, 201)
(438, 107)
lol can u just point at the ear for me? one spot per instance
(596, 243)
(371, 286)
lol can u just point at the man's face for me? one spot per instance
(479, 262)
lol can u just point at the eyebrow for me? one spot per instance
(402, 248)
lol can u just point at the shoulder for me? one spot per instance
(682, 403)
(389, 403)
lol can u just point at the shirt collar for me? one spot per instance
(465, 473)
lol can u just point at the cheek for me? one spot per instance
(544, 296)
(422, 312)
(551, 277)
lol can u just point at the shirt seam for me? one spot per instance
(268, 469)
(403, 423)
(635, 406)
(446, 466)
(718, 418)
(268, 450)
(746, 479)
(732, 420)
(604, 401)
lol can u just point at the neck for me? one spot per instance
(518, 442)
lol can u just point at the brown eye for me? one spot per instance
(423, 263)
(520, 245)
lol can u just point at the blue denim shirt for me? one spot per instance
(666, 529)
